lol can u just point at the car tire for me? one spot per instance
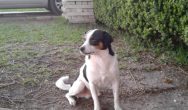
(55, 6)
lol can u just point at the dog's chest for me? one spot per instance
(102, 75)
(102, 71)
(104, 81)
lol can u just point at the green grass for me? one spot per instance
(57, 31)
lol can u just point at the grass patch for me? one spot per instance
(33, 50)
(57, 31)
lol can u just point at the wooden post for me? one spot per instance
(78, 11)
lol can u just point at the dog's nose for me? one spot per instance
(82, 49)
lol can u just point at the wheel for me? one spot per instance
(55, 6)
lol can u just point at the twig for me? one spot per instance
(183, 71)
(50, 102)
(41, 94)
(31, 92)
(135, 80)
(7, 98)
(7, 84)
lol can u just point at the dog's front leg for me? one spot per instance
(94, 96)
(115, 88)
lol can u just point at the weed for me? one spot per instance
(181, 56)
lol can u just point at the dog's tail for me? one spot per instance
(60, 83)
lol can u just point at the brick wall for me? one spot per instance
(78, 11)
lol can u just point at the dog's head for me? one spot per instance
(95, 41)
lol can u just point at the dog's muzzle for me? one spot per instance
(83, 51)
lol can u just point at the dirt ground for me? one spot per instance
(146, 84)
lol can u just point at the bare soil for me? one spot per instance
(146, 84)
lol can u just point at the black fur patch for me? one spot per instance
(89, 56)
(84, 72)
(105, 38)
(107, 42)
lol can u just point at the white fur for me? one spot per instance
(88, 47)
(60, 83)
(102, 71)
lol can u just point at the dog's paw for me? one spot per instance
(72, 102)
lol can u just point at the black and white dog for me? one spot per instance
(99, 70)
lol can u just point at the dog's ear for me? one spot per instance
(107, 42)
(108, 37)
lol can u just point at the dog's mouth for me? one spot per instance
(87, 53)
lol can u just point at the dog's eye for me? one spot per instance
(93, 42)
